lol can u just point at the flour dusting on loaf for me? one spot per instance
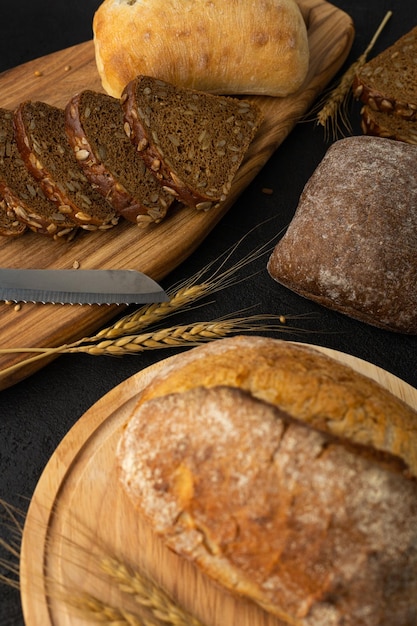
(352, 244)
(317, 529)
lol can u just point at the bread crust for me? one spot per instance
(222, 46)
(352, 243)
(318, 529)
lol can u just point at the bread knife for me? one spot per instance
(78, 286)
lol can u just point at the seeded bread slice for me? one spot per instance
(95, 130)
(387, 83)
(193, 142)
(388, 125)
(9, 225)
(25, 200)
(46, 151)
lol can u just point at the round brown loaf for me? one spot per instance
(316, 527)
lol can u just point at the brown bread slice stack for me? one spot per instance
(193, 142)
(25, 200)
(44, 147)
(387, 85)
(95, 129)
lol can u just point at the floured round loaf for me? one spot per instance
(221, 46)
(315, 528)
(352, 243)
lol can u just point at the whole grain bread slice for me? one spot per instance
(9, 224)
(25, 200)
(388, 125)
(95, 130)
(387, 83)
(193, 142)
(44, 147)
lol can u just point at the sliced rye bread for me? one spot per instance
(110, 161)
(193, 142)
(388, 125)
(26, 202)
(48, 155)
(9, 224)
(387, 83)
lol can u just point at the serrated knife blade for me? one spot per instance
(79, 286)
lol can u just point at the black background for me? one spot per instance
(38, 412)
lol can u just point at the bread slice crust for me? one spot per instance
(95, 130)
(192, 142)
(46, 152)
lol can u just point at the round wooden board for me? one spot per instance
(78, 514)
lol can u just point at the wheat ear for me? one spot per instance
(147, 594)
(93, 609)
(334, 108)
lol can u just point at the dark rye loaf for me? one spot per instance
(48, 155)
(193, 142)
(352, 244)
(25, 200)
(387, 83)
(95, 129)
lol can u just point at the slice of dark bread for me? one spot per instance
(46, 152)
(110, 161)
(26, 202)
(387, 83)
(193, 142)
(388, 125)
(9, 224)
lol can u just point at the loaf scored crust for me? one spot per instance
(222, 46)
(316, 529)
(387, 82)
(352, 244)
(302, 382)
(45, 149)
(95, 129)
(192, 142)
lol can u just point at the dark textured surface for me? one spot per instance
(37, 413)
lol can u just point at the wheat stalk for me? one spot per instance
(94, 609)
(147, 593)
(334, 109)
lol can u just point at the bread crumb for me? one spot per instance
(67, 68)
(76, 265)
(37, 73)
(267, 191)
(17, 306)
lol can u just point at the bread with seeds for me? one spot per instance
(9, 224)
(44, 147)
(25, 200)
(222, 46)
(387, 83)
(192, 142)
(260, 461)
(388, 125)
(95, 129)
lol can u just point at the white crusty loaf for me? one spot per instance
(283, 475)
(221, 46)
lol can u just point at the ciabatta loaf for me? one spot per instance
(352, 243)
(222, 46)
(256, 460)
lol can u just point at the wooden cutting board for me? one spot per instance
(79, 513)
(54, 79)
